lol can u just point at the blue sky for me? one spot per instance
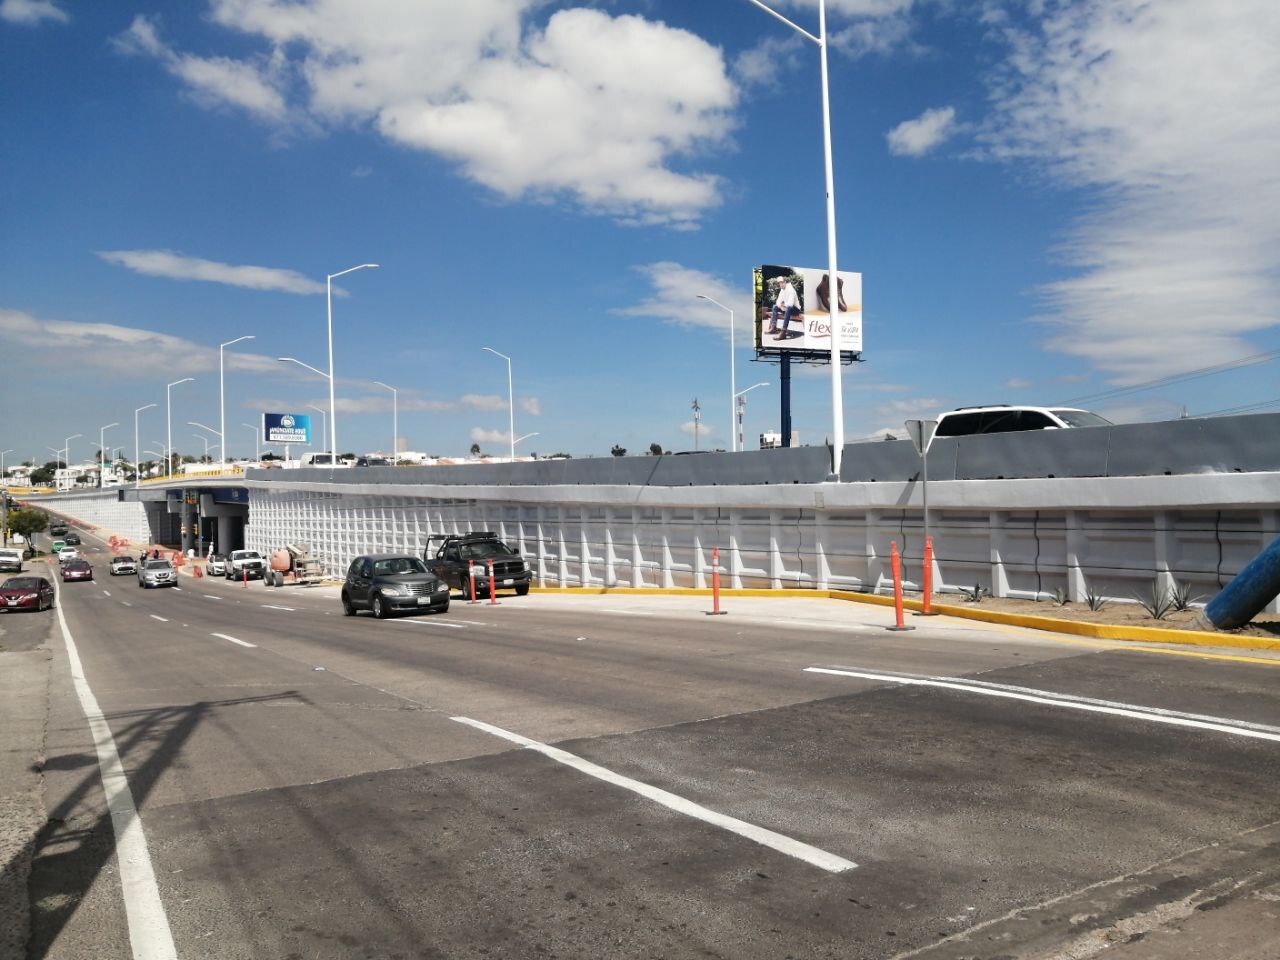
(1046, 201)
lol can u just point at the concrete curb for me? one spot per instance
(1099, 631)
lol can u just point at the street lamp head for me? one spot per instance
(147, 407)
(248, 336)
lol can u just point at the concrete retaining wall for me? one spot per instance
(128, 518)
(1020, 538)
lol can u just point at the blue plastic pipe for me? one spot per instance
(1252, 589)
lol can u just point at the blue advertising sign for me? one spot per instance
(286, 428)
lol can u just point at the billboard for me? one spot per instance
(286, 428)
(793, 311)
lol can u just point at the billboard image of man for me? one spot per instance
(787, 306)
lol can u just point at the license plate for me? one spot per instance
(508, 583)
(423, 601)
(13, 603)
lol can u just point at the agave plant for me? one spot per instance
(1095, 601)
(1159, 603)
(975, 593)
(1181, 596)
(1060, 596)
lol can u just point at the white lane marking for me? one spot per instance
(161, 619)
(179, 589)
(272, 606)
(210, 596)
(106, 593)
(126, 603)
(765, 837)
(627, 613)
(473, 623)
(430, 623)
(149, 932)
(243, 643)
(1238, 728)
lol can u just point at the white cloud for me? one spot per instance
(359, 173)
(165, 263)
(252, 85)
(915, 138)
(675, 299)
(1169, 115)
(480, 435)
(703, 429)
(32, 12)
(910, 407)
(531, 405)
(588, 106)
(483, 401)
(129, 351)
(1018, 383)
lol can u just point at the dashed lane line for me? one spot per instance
(430, 623)
(272, 606)
(210, 596)
(243, 643)
(1237, 728)
(155, 617)
(761, 835)
(126, 603)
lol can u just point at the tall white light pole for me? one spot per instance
(511, 401)
(137, 453)
(733, 373)
(222, 399)
(741, 397)
(310, 406)
(257, 441)
(168, 406)
(323, 434)
(102, 458)
(333, 413)
(837, 398)
(395, 419)
(66, 448)
(222, 455)
(205, 440)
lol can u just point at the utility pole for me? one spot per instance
(697, 421)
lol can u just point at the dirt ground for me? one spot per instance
(1119, 614)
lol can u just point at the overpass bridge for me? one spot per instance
(1099, 510)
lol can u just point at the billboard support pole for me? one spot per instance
(785, 374)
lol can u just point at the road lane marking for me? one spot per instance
(272, 606)
(210, 596)
(628, 613)
(430, 623)
(473, 623)
(243, 643)
(179, 589)
(161, 619)
(1238, 728)
(757, 834)
(126, 603)
(149, 933)
(106, 593)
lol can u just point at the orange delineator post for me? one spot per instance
(245, 571)
(493, 585)
(926, 609)
(715, 584)
(896, 563)
(471, 579)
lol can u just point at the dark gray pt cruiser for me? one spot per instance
(388, 583)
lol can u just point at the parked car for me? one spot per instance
(123, 565)
(242, 564)
(77, 570)
(217, 565)
(966, 421)
(387, 583)
(72, 539)
(158, 573)
(67, 554)
(10, 559)
(453, 559)
(26, 593)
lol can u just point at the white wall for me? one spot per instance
(105, 510)
(1020, 538)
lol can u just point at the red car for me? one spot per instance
(77, 570)
(26, 593)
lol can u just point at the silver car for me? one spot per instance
(157, 573)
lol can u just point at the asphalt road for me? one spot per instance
(316, 786)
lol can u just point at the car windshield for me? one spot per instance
(1081, 418)
(486, 548)
(246, 555)
(216, 558)
(78, 565)
(159, 565)
(394, 566)
(20, 583)
(119, 561)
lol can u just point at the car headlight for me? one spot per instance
(393, 589)
(441, 587)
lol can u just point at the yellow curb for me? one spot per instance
(1099, 631)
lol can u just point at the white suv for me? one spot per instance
(966, 421)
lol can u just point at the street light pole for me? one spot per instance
(102, 459)
(511, 401)
(168, 405)
(222, 398)
(395, 420)
(137, 453)
(333, 413)
(3, 454)
(733, 374)
(833, 299)
(742, 408)
(323, 435)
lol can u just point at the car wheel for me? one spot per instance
(348, 608)
(380, 608)
(522, 590)
(443, 608)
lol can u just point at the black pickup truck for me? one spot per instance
(450, 557)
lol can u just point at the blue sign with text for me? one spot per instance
(286, 428)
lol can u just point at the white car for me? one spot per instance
(68, 553)
(967, 421)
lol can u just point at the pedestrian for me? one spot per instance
(155, 554)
